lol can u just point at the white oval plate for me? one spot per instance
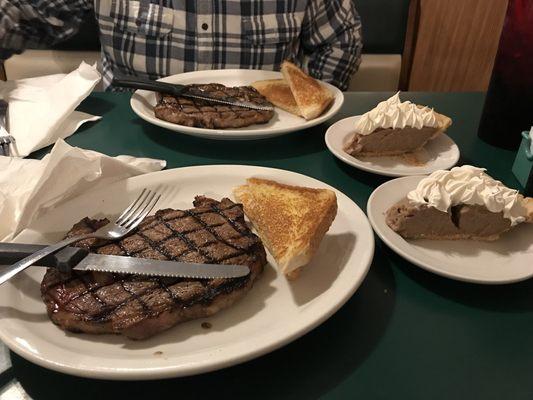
(143, 102)
(506, 260)
(272, 314)
(440, 153)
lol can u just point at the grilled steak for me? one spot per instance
(204, 114)
(139, 306)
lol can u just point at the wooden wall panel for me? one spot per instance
(456, 43)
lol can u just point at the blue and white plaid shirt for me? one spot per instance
(156, 38)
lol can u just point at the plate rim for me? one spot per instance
(373, 213)
(347, 159)
(234, 134)
(206, 365)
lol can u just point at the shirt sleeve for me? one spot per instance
(38, 23)
(331, 40)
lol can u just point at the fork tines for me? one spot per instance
(139, 209)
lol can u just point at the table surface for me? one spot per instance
(404, 334)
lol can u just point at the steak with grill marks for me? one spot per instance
(138, 306)
(205, 114)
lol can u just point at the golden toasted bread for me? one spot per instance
(290, 220)
(278, 92)
(310, 95)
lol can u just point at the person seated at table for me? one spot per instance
(153, 39)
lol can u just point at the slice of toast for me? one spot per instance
(310, 95)
(278, 92)
(290, 220)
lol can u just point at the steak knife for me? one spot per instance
(75, 258)
(183, 90)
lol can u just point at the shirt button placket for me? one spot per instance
(203, 24)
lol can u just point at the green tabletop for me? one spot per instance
(405, 334)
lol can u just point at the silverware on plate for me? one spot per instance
(5, 138)
(125, 223)
(182, 90)
(79, 259)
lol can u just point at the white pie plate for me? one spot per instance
(439, 153)
(272, 314)
(506, 260)
(143, 102)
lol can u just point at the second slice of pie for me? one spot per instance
(394, 127)
(462, 203)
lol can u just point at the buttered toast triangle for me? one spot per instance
(278, 92)
(310, 95)
(290, 220)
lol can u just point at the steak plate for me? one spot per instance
(138, 306)
(204, 114)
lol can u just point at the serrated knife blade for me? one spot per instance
(149, 267)
(228, 101)
(80, 260)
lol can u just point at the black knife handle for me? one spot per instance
(64, 260)
(67, 258)
(146, 84)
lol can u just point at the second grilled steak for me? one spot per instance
(204, 114)
(139, 306)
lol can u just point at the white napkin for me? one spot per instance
(28, 188)
(41, 110)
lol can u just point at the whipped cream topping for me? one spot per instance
(468, 185)
(393, 113)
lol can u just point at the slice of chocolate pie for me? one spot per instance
(394, 127)
(463, 203)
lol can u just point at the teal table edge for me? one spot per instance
(405, 334)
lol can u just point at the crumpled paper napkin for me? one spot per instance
(41, 110)
(28, 188)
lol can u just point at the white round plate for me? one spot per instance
(505, 260)
(272, 314)
(439, 153)
(282, 122)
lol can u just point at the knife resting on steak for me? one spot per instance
(138, 306)
(197, 91)
(69, 258)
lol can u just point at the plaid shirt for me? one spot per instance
(156, 38)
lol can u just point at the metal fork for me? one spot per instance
(125, 223)
(5, 141)
(5, 138)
